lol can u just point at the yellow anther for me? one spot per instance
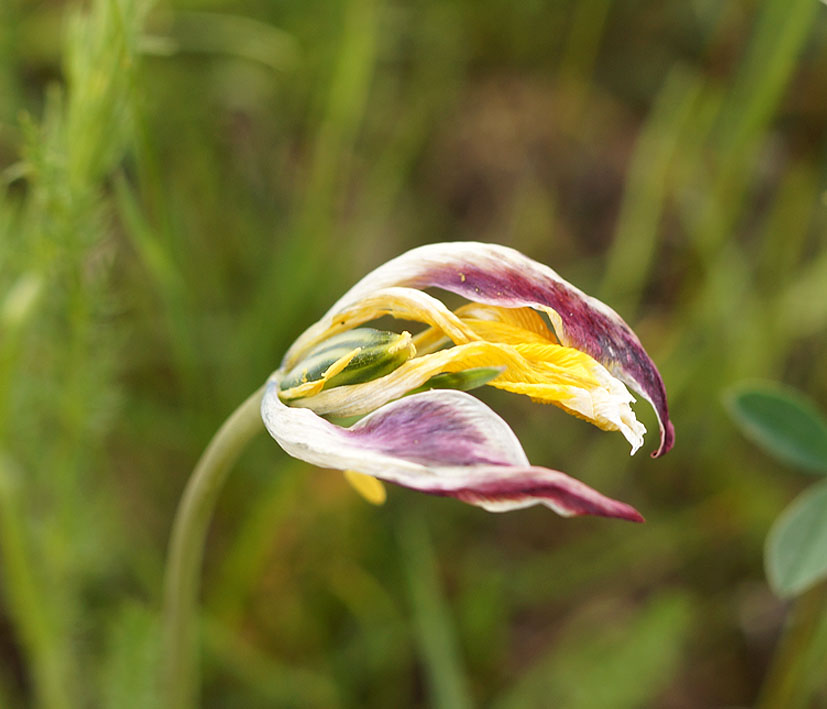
(367, 486)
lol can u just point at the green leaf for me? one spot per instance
(796, 551)
(466, 380)
(782, 421)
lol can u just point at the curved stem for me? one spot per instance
(186, 551)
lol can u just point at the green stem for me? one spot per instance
(186, 551)
(799, 660)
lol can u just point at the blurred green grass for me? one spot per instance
(187, 185)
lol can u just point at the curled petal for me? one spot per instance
(400, 303)
(548, 373)
(441, 442)
(500, 276)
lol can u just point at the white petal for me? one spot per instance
(443, 443)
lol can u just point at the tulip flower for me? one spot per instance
(524, 330)
(392, 406)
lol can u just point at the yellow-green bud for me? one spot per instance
(379, 353)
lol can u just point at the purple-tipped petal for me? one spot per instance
(498, 275)
(441, 442)
(532, 486)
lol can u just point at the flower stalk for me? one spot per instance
(186, 551)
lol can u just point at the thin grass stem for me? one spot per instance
(798, 664)
(29, 600)
(436, 639)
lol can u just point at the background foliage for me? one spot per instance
(188, 184)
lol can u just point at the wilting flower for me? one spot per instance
(524, 329)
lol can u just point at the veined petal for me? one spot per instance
(506, 333)
(441, 442)
(525, 319)
(500, 276)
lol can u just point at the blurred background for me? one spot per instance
(187, 185)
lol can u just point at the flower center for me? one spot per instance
(352, 357)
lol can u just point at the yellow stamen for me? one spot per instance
(314, 387)
(367, 486)
(405, 342)
(525, 319)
